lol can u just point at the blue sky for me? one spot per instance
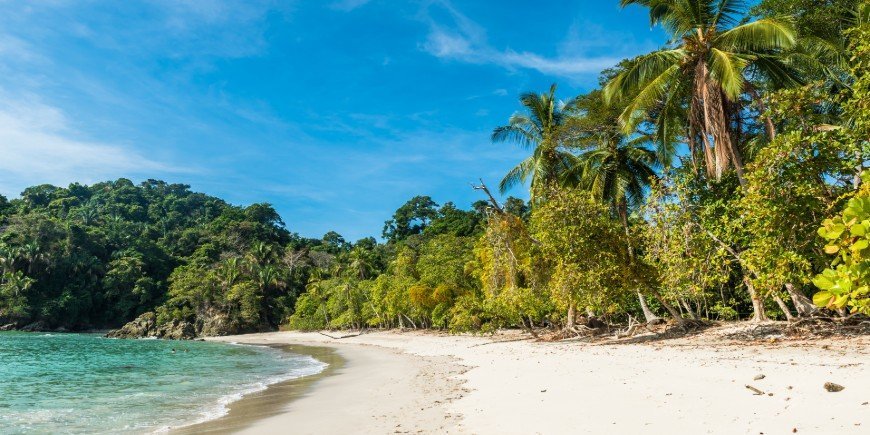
(336, 112)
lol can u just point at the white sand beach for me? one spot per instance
(424, 383)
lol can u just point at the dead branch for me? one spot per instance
(492, 200)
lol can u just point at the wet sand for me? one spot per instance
(272, 401)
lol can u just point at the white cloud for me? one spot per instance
(37, 145)
(465, 40)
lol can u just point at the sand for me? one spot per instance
(426, 383)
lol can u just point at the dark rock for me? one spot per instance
(143, 326)
(833, 388)
(177, 330)
(38, 326)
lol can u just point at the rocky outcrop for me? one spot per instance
(38, 326)
(143, 326)
(208, 324)
(146, 326)
(216, 324)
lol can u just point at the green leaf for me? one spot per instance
(832, 249)
(822, 282)
(835, 231)
(858, 230)
(822, 298)
(860, 245)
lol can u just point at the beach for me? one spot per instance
(411, 382)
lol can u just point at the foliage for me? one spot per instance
(847, 282)
(588, 249)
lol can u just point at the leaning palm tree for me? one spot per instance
(703, 73)
(538, 129)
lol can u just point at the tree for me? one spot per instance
(588, 250)
(704, 70)
(411, 218)
(537, 129)
(616, 168)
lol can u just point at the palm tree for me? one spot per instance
(261, 253)
(360, 263)
(537, 129)
(703, 73)
(616, 168)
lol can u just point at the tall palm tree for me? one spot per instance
(703, 73)
(537, 129)
(616, 168)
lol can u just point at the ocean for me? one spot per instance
(85, 383)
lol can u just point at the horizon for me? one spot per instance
(391, 101)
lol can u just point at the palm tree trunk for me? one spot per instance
(716, 125)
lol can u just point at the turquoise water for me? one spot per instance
(84, 383)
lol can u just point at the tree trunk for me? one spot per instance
(805, 307)
(572, 316)
(647, 313)
(758, 314)
(768, 123)
(689, 309)
(782, 306)
(674, 313)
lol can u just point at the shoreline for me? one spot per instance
(372, 390)
(414, 382)
(271, 401)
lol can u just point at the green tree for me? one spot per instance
(411, 218)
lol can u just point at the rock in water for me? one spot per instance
(833, 388)
(143, 326)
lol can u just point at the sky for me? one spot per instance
(336, 112)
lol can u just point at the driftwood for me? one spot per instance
(755, 391)
(343, 336)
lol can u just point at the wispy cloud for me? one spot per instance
(39, 146)
(460, 38)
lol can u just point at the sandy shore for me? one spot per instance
(424, 383)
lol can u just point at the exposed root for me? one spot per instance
(816, 326)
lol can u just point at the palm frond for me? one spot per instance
(727, 12)
(727, 70)
(518, 175)
(640, 72)
(776, 72)
(650, 95)
(760, 35)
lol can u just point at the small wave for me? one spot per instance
(221, 408)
